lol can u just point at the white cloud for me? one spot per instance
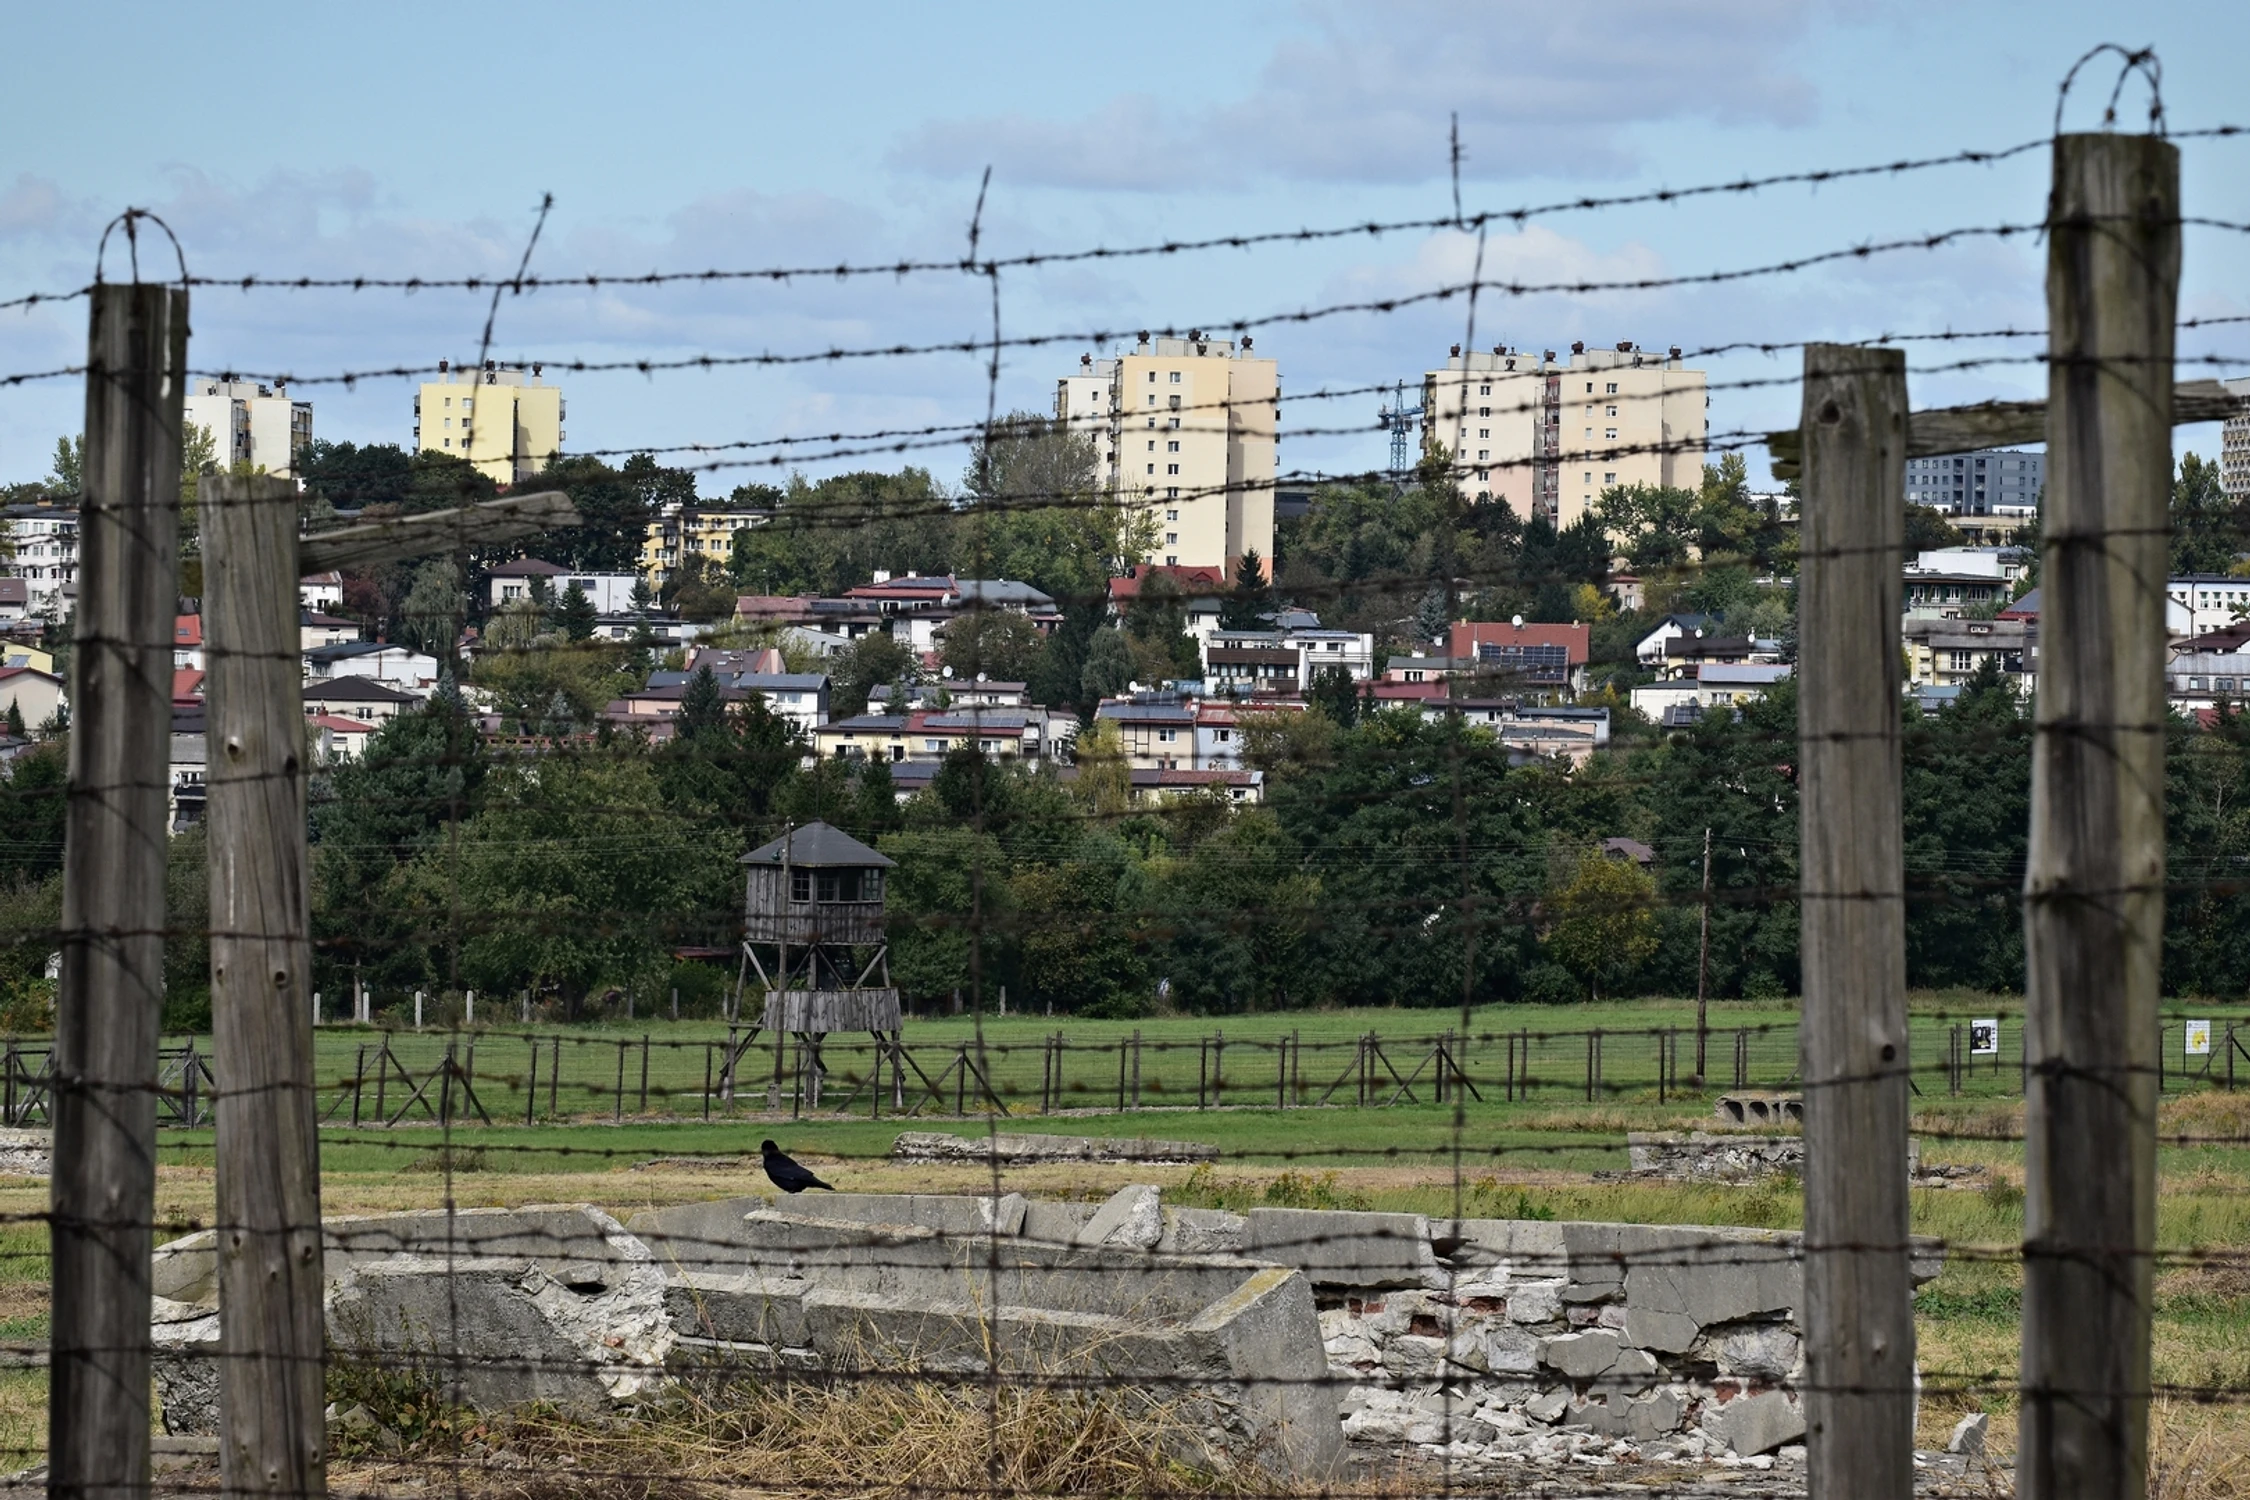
(1363, 94)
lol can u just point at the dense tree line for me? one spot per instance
(1396, 861)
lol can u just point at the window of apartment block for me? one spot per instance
(1612, 388)
(1610, 412)
(1484, 390)
(1175, 424)
(1484, 432)
(1171, 515)
(1172, 492)
(1609, 476)
(1175, 377)
(1484, 411)
(1171, 468)
(1173, 446)
(1152, 377)
(1610, 433)
(1171, 539)
(1175, 403)
(1152, 468)
(1170, 561)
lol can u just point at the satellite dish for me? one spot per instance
(1518, 622)
(945, 672)
(982, 678)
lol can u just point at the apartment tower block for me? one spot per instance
(1185, 428)
(1547, 436)
(504, 419)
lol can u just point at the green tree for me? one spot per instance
(575, 614)
(703, 706)
(998, 644)
(1241, 911)
(1250, 604)
(14, 722)
(2207, 526)
(32, 791)
(434, 609)
(1334, 694)
(1604, 920)
(1927, 529)
(876, 659)
(1109, 665)
(69, 473)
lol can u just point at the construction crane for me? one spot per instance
(1401, 421)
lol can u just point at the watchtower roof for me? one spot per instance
(818, 846)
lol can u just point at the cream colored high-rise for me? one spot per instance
(506, 420)
(1548, 436)
(250, 424)
(1186, 429)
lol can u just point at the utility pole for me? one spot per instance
(112, 988)
(273, 1437)
(2094, 881)
(1859, 1313)
(1703, 966)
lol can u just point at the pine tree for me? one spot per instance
(703, 707)
(1250, 605)
(15, 719)
(576, 613)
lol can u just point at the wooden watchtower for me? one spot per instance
(813, 929)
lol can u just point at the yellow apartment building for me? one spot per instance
(705, 531)
(506, 420)
(1547, 436)
(1185, 428)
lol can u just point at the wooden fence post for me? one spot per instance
(112, 987)
(272, 1344)
(2094, 879)
(1859, 1313)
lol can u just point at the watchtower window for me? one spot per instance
(849, 885)
(800, 885)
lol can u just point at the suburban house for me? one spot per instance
(1715, 685)
(1154, 785)
(23, 654)
(1254, 658)
(399, 666)
(1203, 589)
(1945, 653)
(1521, 658)
(1946, 583)
(863, 737)
(2212, 601)
(321, 591)
(341, 739)
(15, 600)
(35, 694)
(187, 642)
(1650, 650)
(1158, 731)
(315, 629)
(2196, 680)
(522, 579)
(361, 698)
(799, 697)
(957, 693)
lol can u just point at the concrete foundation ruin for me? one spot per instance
(1307, 1343)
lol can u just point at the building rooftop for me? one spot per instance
(356, 690)
(817, 846)
(526, 567)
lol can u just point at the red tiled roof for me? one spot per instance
(187, 630)
(187, 682)
(1467, 635)
(1200, 579)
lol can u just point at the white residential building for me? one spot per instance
(250, 423)
(42, 550)
(2210, 601)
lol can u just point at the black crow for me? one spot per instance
(786, 1174)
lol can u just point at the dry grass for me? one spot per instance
(2197, 1452)
(871, 1439)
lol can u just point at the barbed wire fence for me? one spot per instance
(2089, 1054)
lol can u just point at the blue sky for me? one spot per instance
(417, 139)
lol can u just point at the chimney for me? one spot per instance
(444, 365)
(1675, 351)
(1456, 351)
(1578, 346)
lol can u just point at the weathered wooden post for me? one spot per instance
(1859, 1316)
(273, 1438)
(112, 986)
(2094, 881)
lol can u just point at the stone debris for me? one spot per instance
(1314, 1344)
(26, 1153)
(1968, 1434)
(1030, 1150)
